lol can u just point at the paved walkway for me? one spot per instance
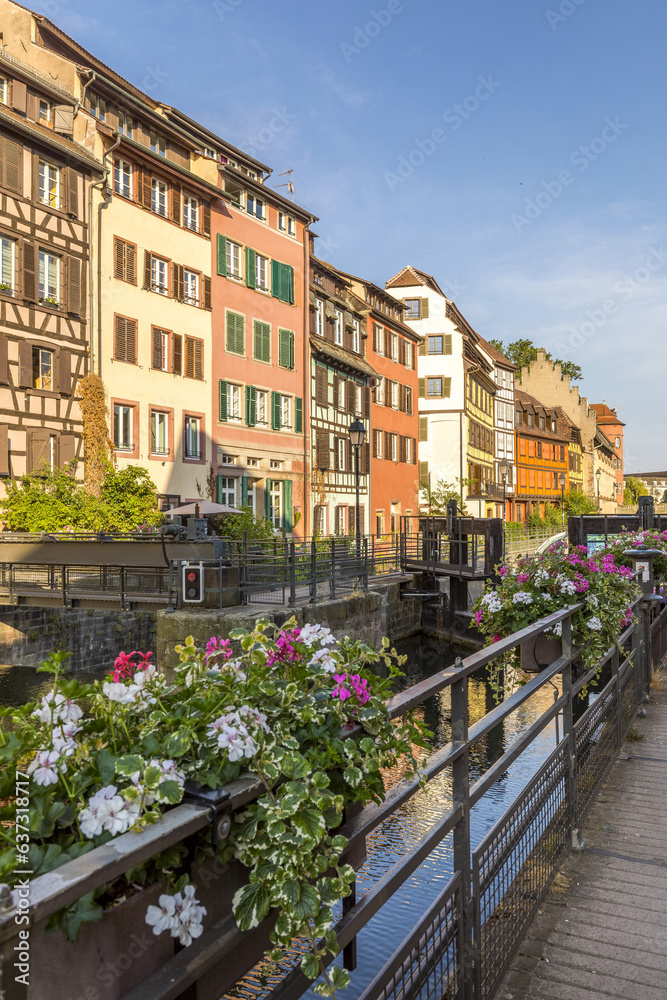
(602, 930)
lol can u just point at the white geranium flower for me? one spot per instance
(541, 577)
(492, 601)
(162, 917)
(594, 623)
(180, 914)
(124, 694)
(522, 597)
(43, 768)
(254, 716)
(108, 811)
(310, 634)
(593, 601)
(55, 706)
(323, 660)
(567, 587)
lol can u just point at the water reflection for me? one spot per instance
(19, 684)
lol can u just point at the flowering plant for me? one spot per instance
(304, 712)
(541, 584)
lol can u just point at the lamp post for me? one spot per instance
(357, 433)
(598, 476)
(503, 468)
(561, 480)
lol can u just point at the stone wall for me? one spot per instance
(366, 616)
(28, 635)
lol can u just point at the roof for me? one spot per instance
(605, 415)
(646, 475)
(48, 136)
(563, 431)
(603, 440)
(413, 276)
(495, 354)
(390, 298)
(342, 357)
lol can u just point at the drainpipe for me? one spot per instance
(306, 373)
(102, 185)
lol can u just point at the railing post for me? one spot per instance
(122, 588)
(64, 584)
(313, 570)
(642, 660)
(292, 573)
(637, 655)
(332, 582)
(364, 576)
(577, 841)
(615, 670)
(461, 797)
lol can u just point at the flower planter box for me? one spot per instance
(540, 653)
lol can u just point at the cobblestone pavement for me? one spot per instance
(602, 930)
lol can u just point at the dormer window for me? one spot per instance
(210, 153)
(124, 124)
(97, 107)
(158, 144)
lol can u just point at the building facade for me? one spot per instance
(541, 457)
(392, 351)
(612, 427)
(340, 393)
(45, 180)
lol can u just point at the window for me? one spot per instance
(275, 463)
(194, 358)
(408, 450)
(408, 354)
(378, 337)
(210, 153)
(125, 260)
(44, 113)
(7, 265)
(261, 273)
(319, 317)
(158, 144)
(224, 459)
(191, 288)
(358, 400)
(233, 402)
(159, 276)
(49, 279)
(617, 442)
(42, 369)
(285, 411)
(436, 345)
(191, 213)
(124, 124)
(341, 453)
(379, 439)
(125, 340)
(291, 226)
(394, 395)
(3, 90)
(159, 197)
(123, 419)
(338, 327)
(262, 407)
(276, 504)
(413, 310)
(97, 106)
(438, 386)
(262, 341)
(394, 347)
(235, 333)
(233, 260)
(286, 349)
(252, 463)
(408, 399)
(49, 184)
(341, 401)
(227, 491)
(159, 433)
(255, 206)
(379, 392)
(160, 350)
(191, 441)
(393, 444)
(122, 177)
(356, 342)
(282, 222)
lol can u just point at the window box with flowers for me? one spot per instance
(305, 713)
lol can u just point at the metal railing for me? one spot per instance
(118, 584)
(463, 945)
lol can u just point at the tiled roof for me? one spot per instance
(605, 415)
(48, 135)
(495, 354)
(342, 357)
(413, 276)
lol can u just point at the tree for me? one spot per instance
(522, 352)
(436, 499)
(233, 525)
(634, 489)
(576, 502)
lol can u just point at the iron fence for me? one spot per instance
(465, 941)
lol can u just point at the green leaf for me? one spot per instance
(105, 762)
(310, 822)
(84, 911)
(170, 791)
(310, 966)
(251, 904)
(129, 764)
(340, 978)
(353, 776)
(320, 780)
(177, 744)
(291, 892)
(309, 904)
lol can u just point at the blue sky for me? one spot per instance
(537, 201)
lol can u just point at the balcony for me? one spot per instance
(489, 491)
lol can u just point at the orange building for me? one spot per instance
(542, 441)
(392, 351)
(612, 427)
(260, 361)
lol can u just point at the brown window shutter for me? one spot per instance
(4, 366)
(65, 373)
(401, 398)
(67, 451)
(323, 453)
(321, 386)
(349, 396)
(147, 189)
(119, 258)
(375, 338)
(176, 205)
(388, 394)
(401, 351)
(4, 450)
(157, 348)
(72, 191)
(38, 449)
(365, 451)
(206, 219)
(336, 380)
(207, 291)
(177, 282)
(25, 364)
(20, 97)
(29, 262)
(131, 263)
(177, 354)
(10, 164)
(131, 327)
(422, 388)
(137, 184)
(367, 401)
(148, 264)
(414, 451)
(336, 464)
(404, 449)
(387, 444)
(74, 268)
(120, 339)
(375, 443)
(189, 357)
(199, 359)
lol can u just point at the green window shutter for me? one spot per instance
(287, 505)
(298, 415)
(275, 411)
(448, 343)
(250, 268)
(218, 489)
(235, 333)
(222, 255)
(285, 348)
(222, 400)
(288, 284)
(267, 498)
(275, 279)
(424, 309)
(422, 347)
(291, 350)
(262, 341)
(447, 387)
(422, 388)
(250, 405)
(244, 491)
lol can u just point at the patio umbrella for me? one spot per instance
(203, 508)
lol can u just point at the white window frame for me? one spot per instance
(158, 144)
(356, 337)
(210, 153)
(394, 347)
(159, 197)
(394, 395)
(49, 192)
(252, 199)
(233, 260)
(342, 386)
(262, 402)
(379, 340)
(379, 443)
(124, 124)
(285, 412)
(159, 422)
(379, 391)
(46, 289)
(191, 213)
(358, 400)
(228, 490)
(276, 503)
(164, 341)
(122, 177)
(319, 317)
(98, 107)
(192, 437)
(190, 287)
(3, 90)
(159, 270)
(46, 119)
(291, 226)
(262, 272)
(282, 222)
(394, 447)
(275, 463)
(408, 451)
(338, 327)
(45, 368)
(121, 411)
(409, 347)
(233, 401)
(341, 447)
(7, 265)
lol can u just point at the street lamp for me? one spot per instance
(598, 476)
(561, 480)
(357, 433)
(503, 468)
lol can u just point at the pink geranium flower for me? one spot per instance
(340, 691)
